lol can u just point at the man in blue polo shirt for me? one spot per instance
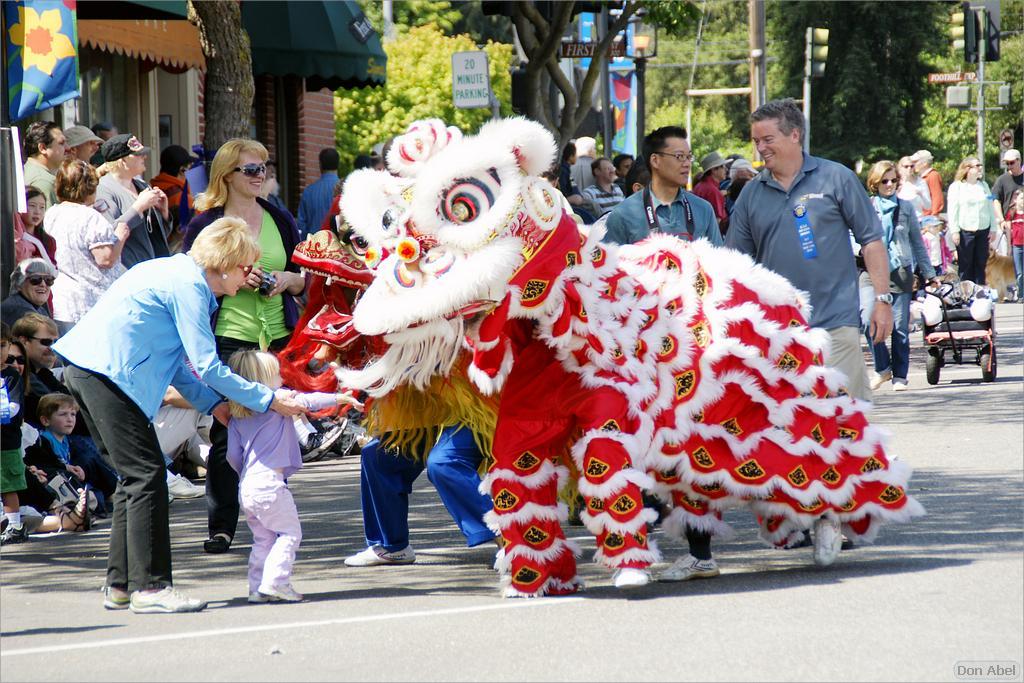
(673, 210)
(796, 218)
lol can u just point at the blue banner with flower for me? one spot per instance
(42, 54)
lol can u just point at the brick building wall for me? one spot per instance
(316, 130)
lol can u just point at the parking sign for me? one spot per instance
(471, 81)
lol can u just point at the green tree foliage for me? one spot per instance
(870, 101)
(419, 86)
(411, 13)
(719, 122)
(874, 101)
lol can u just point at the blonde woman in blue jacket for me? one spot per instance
(151, 329)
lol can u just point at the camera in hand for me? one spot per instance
(267, 284)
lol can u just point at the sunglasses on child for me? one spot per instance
(36, 280)
(252, 170)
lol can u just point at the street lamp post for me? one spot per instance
(644, 45)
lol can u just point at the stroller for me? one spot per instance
(959, 324)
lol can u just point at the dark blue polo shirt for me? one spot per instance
(763, 225)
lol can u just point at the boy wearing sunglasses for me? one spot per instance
(30, 290)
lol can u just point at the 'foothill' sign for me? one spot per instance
(953, 77)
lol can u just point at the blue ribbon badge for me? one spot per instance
(804, 232)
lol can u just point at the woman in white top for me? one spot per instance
(913, 189)
(972, 213)
(88, 246)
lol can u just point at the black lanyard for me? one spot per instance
(652, 217)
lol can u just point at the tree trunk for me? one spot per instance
(540, 39)
(229, 87)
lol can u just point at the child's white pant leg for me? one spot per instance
(266, 499)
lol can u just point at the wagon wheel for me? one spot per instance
(933, 365)
(988, 374)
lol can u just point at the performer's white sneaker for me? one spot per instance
(828, 541)
(628, 577)
(689, 567)
(376, 555)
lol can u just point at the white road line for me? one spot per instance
(118, 642)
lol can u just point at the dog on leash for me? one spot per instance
(999, 275)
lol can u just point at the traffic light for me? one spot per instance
(992, 22)
(963, 32)
(817, 45)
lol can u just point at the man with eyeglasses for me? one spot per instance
(1008, 183)
(664, 205)
(30, 290)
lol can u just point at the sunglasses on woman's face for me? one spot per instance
(12, 360)
(252, 170)
(888, 181)
(36, 280)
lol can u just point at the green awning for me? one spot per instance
(329, 43)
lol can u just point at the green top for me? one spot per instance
(248, 316)
(40, 177)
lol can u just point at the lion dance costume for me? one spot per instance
(675, 367)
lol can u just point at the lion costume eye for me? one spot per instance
(468, 198)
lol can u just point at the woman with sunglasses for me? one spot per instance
(972, 214)
(912, 188)
(30, 290)
(149, 331)
(261, 315)
(901, 233)
(88, 246)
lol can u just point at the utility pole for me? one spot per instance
(807, 91)
(982, 44)
(758, 58)
(607, 126)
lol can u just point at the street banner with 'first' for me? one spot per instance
(42, 54)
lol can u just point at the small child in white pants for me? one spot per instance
(264, 449)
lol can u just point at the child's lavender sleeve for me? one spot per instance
(234, 454)
(318, 400)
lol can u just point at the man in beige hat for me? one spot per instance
(81, 142)
(714, 168)
(922, 159)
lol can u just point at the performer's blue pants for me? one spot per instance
(386, 480)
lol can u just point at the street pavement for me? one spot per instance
(942, 592)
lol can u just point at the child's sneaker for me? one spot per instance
(280, 594)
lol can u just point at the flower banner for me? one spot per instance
(42, 54)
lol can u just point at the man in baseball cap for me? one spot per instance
(713, 170)
(81, 142)
(922, 159)
(1006, 184)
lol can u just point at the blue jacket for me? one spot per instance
(315, 203)
(145, 326)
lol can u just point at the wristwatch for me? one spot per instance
(884, 298)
